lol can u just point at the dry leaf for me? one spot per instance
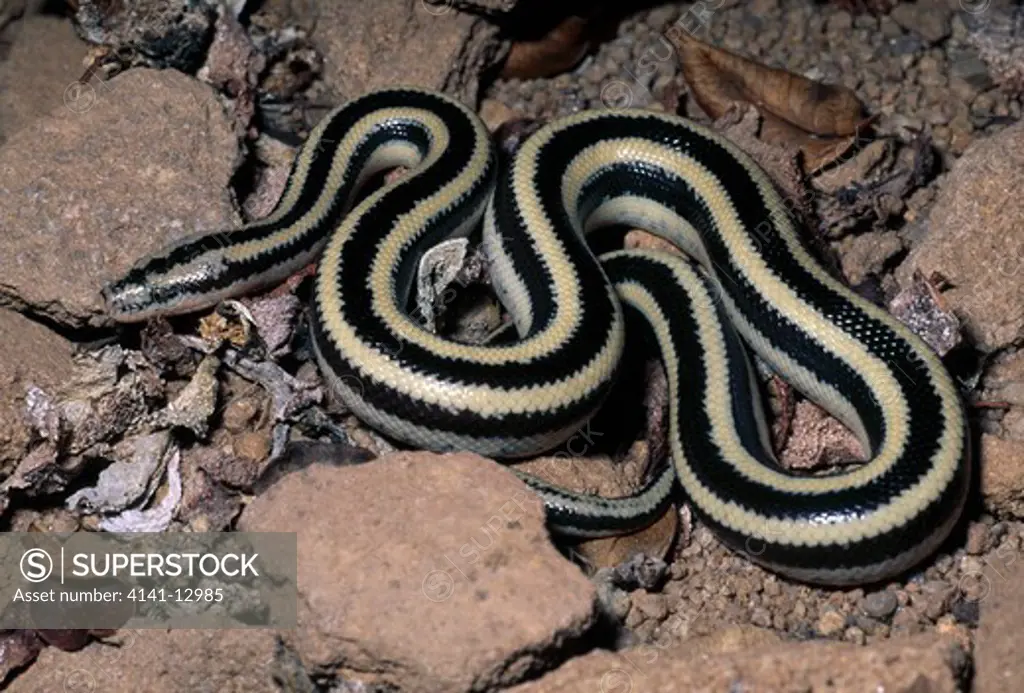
(820, 120)
(557, 51)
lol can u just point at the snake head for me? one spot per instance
(129, 299)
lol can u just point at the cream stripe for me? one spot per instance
(335, 180)
(725, 511)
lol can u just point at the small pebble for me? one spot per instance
(761, 617)
(252, 445)
(937, 597)
(240, 413)
(966, 611)
(652, 606)
(855, 635)
(907, 620)
(830, 623)
(977, 539)
(880, 605)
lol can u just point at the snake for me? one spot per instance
(546, 218)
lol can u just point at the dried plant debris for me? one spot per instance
(281, 32)
(130, 481)
(112, 413)
(39, 473)
(872, 188)
(233, 65)
(820, 120)
(921, 308)
(150, 33)
(197, 402)
(289, 395)
(439, 267)
(163, 349)
(112, 391)
(275, 317)
(156, 518)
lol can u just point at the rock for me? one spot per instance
(156, 661)
(651, 606)
(830, 623)
(866, 254)
(1004, 382)
(427, 43)
(495, 113)
(976, 240)
(923, 663)
(818, 440)
(997, 661)
(1002, 475)
(127, 167)
(880, 605)
(424, 572)
(734, 639)
(33, 355)
(978, 539)
(34, 82)
(929, 21)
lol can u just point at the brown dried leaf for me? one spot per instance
(555, 52)
(821, 120)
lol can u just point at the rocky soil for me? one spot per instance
(423, 572)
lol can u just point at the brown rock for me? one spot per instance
(830, 623)
(33, 355)
(867, 254)
(976, 240)
(425, 572)
(155, 661)
(733, 639)
(495, 113)
(998, 664)
(929, 21)
(253, 445)
(425, 43)
(33, 81)
(1002, 475)
(1004, 382)
(924, 663)
(818, 440)
(128, 166)
(18, 649)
